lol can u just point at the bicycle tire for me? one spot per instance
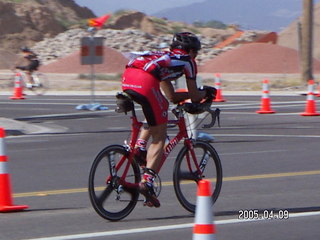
(186, 181)
(41, 83)
(109, 203)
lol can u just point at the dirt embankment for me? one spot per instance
(257, 58)
(114, 62)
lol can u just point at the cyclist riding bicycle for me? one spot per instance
(144, 78)
(28, 63)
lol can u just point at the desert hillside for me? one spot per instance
(30, 21)
(53, 28)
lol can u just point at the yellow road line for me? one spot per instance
(51, 192)
(272, 175)
(225, 179)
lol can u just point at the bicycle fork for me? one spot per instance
(118, 183)
(204, 161)
(200, 166)
(114, 181)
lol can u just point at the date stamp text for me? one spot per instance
(255, 214)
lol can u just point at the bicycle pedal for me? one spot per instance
(147, 203)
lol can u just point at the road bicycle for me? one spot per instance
(115, 175)
(40, 81)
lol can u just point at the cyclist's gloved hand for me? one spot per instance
(210, 92)
(194, 108)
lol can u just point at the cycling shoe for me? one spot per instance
(146, 189)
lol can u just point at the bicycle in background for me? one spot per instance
(40, 83)
(115, 175)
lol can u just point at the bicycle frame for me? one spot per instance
(135, 130)
(23, 76)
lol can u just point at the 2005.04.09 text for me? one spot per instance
(255, 214)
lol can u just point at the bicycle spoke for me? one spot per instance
(104, 195)
(187, 175)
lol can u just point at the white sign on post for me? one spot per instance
(91, 50)
(91, 53)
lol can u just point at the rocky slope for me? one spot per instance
(134, 31)
(30, 21)
(124, 41)
(125, 31)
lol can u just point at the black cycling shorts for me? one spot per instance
(33, 66)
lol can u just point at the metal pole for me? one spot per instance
(92, 84)
(299, 29)
(307, 41)
(92, 69)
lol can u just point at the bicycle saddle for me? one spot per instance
(124, 103)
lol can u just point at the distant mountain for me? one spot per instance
(270, 15)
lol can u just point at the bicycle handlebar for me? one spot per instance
(125, 104)
(215, 115)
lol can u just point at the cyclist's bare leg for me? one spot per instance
(140, 148)
(145, 134)
(29, 77)
(154, 156)
(155, 150)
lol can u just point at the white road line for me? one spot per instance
(38, 103)
(167, 227)
(267, 135)
(253, 152)
(170, 134)
(69, 114)
(254, 113)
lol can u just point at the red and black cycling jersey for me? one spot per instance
(166, 65)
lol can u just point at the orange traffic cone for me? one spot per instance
(204, 228)
(311, 104)
(18, 88)
(5, 188)
(265, 100)
(217, 84)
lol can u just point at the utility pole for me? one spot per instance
(307, 41)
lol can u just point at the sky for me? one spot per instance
(147, 6)
(278, 13)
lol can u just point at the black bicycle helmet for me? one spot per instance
(185, 41)
(25, 49)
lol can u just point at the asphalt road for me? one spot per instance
(271, 163)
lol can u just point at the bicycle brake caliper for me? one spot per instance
(204, 161)
(119, 191)
(112, 164)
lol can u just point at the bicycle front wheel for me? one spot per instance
(186, 176)
(109, 195)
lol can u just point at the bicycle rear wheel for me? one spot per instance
(108, 195)
(186, 178)
(41, 83)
